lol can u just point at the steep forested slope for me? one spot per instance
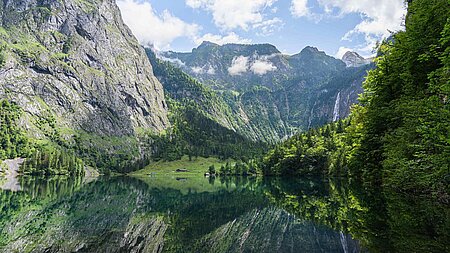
(406, 115)
(203, 124)
(400, 136)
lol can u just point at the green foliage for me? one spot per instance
(212, 170)
(13, 141)
(2, 56)
(400, 136)
(28, 50)
(2, 60)
(194, 134)
(40, 160)
(321, 151)
(238, 169)
(48, 160)
(406, 124)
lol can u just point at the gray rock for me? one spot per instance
(77, 61)
(353, 59)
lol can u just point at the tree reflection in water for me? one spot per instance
(234, 214)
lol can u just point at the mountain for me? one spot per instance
(76, 60)
(275, 95)
(353, 59)
(257, 123)
(231, 66)
(79, 74)
(203, 123)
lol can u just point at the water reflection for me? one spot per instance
(164, 214)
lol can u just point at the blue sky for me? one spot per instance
(334, 26)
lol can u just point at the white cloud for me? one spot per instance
(221, 40)
(197, 70)
(194, 3)
(175, 61)
(341, 51)
(269, 26)
(153, 29)
(261, 67)
(299, 8)
(378, 18)
(239, 66)
(211, 71)
(232, 14)
(205, 69)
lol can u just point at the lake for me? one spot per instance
(196, 214)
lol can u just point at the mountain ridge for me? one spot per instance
(292, 93)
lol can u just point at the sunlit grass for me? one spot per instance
(197, 166)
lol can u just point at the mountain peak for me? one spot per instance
(208, 44)
(353, 59)
(308, 52)
(351, 54)
(310, 49)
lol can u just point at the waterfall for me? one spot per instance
(311, 115)
(343, 242)
(336, 107)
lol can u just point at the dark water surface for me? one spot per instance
(165, 214)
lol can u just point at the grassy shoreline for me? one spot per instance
(196, 166)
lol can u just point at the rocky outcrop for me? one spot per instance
(9, 169)
(77, 63)
(353, 59)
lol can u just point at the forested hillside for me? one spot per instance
(399, 136)
(13, 142)
(202, 123)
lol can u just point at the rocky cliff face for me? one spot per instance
(76, 63)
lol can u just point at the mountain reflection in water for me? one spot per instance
(163, 214)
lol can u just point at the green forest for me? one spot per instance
(13, 142)
(42, 159)
(399, 136)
